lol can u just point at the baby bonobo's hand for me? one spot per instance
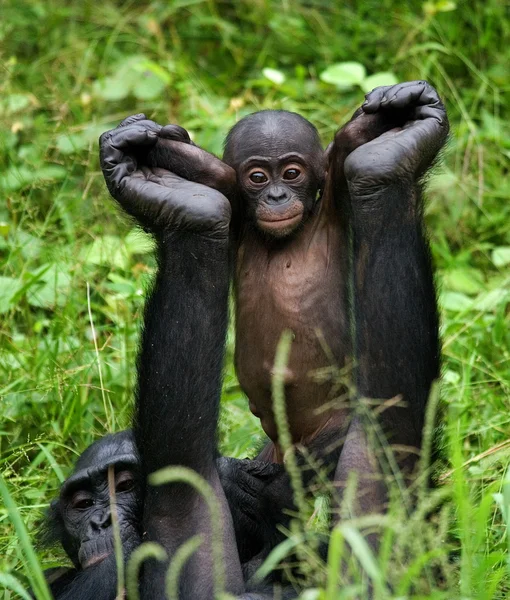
(415, 127)
(187, 160)
(157, 198)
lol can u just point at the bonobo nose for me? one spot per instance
(101, 520)
(277, 195)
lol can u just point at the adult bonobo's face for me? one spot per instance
(278, 159)
(81, 517)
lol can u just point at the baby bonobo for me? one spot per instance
(330, 244)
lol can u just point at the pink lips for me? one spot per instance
(94, 560)
(280, 223)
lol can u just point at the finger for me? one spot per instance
(378, 95)
(432, 112)
(175, 132)
(132, 119)
(373, 99)
(416, 93)
(130, 137)
(116, 162)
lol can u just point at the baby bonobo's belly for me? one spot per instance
(297, 287)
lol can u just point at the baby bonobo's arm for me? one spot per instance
(175, 152)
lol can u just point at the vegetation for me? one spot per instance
(73, 271)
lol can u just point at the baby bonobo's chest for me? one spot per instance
(298, 285)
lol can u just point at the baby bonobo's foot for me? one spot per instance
(157, 198)
(414, 127)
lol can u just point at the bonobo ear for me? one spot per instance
(52, 528)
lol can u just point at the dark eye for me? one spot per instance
(258, 177)
(81, 501)
(124, 482)
(291, 173)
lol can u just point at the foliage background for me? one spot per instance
(73, 271)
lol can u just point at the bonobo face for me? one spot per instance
(82, 514)
(279, 163)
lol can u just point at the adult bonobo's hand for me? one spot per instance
(157, 198)
(415, 127)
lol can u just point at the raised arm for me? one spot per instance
(180, 361)
(396, 345)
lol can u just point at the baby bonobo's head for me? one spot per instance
(278, 158)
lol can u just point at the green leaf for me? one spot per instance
(501, 256)
(108, 250)
(344, 75)
(464, 280)
(51, 288)
(8, 289)
(377, 80)
(455, 301)
(17, 178)
(136, 75)
(69, 143)
(491, 300)
(273, 75)
(112, 88)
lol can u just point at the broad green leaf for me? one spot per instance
(52, 288)
(451, 377)
(148, 87)
(112, 88)
(69, 143)
(273, 75)
(30, 245)
(17, 178)
(501, 256)
(377, 80)
(455, 301)
(8, 289)
(491, 300)
(464, 280)
(344, 75)
(15, 103)
(108, 250)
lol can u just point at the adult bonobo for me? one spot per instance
(331, 245)
(80, 518)
(180, 360)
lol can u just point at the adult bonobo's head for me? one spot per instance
(80, 518)
(278, 158)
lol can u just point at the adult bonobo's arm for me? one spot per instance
(174, 151)
(180, 361)
(396, 321)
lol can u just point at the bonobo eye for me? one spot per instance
(292, 173)
(81, 501)
(124, 482)
(258, 177)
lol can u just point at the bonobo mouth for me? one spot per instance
(280, 223)
(95, 550)
(94, 560)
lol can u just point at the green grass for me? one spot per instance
(72, 271)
